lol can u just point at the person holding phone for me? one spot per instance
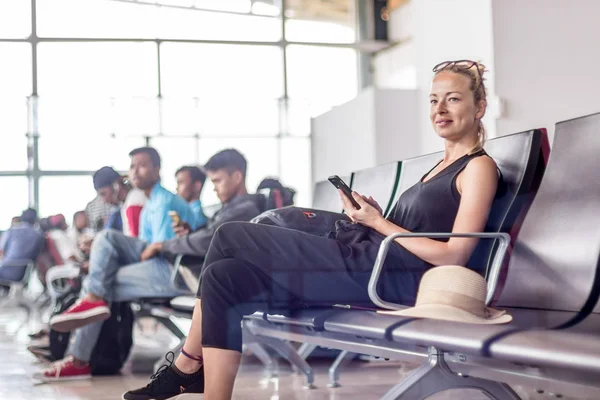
(251, 267)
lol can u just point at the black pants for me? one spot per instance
(252, 267)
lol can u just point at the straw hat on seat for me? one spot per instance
(453, 293)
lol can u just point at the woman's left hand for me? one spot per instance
(370, 213)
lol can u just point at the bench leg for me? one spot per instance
(334, 371)
(304, 351)
(171, 326)
(259, 352)
(288, 352)
(435, 376)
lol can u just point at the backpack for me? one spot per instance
(115, 340)
(276, 194)
(307, 220)
(59, 341)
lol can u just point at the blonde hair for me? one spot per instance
(475, 75)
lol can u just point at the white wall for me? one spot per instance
(396, 125)
(546, 61)
(377, 127)
(343, 139)
(435, 31)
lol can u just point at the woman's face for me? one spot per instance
(453, 111)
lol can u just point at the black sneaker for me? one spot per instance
(165, 384)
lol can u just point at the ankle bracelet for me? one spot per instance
(197, 359)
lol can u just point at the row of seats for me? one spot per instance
(551, 284)
(549, 206)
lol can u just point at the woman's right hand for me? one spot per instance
(369, 214)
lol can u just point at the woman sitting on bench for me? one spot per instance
(251, 267)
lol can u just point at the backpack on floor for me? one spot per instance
(59, 341)
(115, 340)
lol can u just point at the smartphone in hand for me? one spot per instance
(175, 217)
(340, 184)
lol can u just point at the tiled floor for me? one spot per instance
(360, 380)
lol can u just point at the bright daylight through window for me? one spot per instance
(190, 77)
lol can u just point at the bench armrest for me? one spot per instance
(175, 270)
(185, 274)
(493, 275)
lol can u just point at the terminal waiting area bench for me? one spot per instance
(548, 215)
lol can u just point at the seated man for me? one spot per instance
(227, 171)
(22, 242)
(117, 272)
(190, 181)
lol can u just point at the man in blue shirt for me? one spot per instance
(20, 244)
(190, 181)
(116, 270)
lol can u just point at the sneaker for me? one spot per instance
(82, 313)
(166, 384)
(42, 353)
(64, 370)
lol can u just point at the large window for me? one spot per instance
(16, 202)
(15, 19)
(189, 77)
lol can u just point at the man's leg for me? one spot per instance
(151, 278)
(110, 252)
(83, 342)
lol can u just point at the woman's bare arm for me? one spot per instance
(477, 184)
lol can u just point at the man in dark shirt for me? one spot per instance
(227, 171)
(20, 244)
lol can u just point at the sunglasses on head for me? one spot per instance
(460, 64)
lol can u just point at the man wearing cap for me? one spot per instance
(115, 190)
(21, 243)
(116, 270)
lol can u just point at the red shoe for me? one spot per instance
(82, 313)
(64, 370)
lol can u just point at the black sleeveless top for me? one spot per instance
(432, 206)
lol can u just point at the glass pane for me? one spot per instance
(298, 118)
(262, 156)
(66, 117)
(13, 130)
(323, 76)
(87, 152)
(101, 68)
(65, 195)
(320, 21)
(112, 19)
(15, 19)
(220, 117)
(15, 68)
(238, 117)
(60, 117)
(135, 116)
(13, 205)
(174, 153)
(296, 169)
(221, 71)
(179, 116)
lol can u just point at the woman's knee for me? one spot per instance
(223, 274)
